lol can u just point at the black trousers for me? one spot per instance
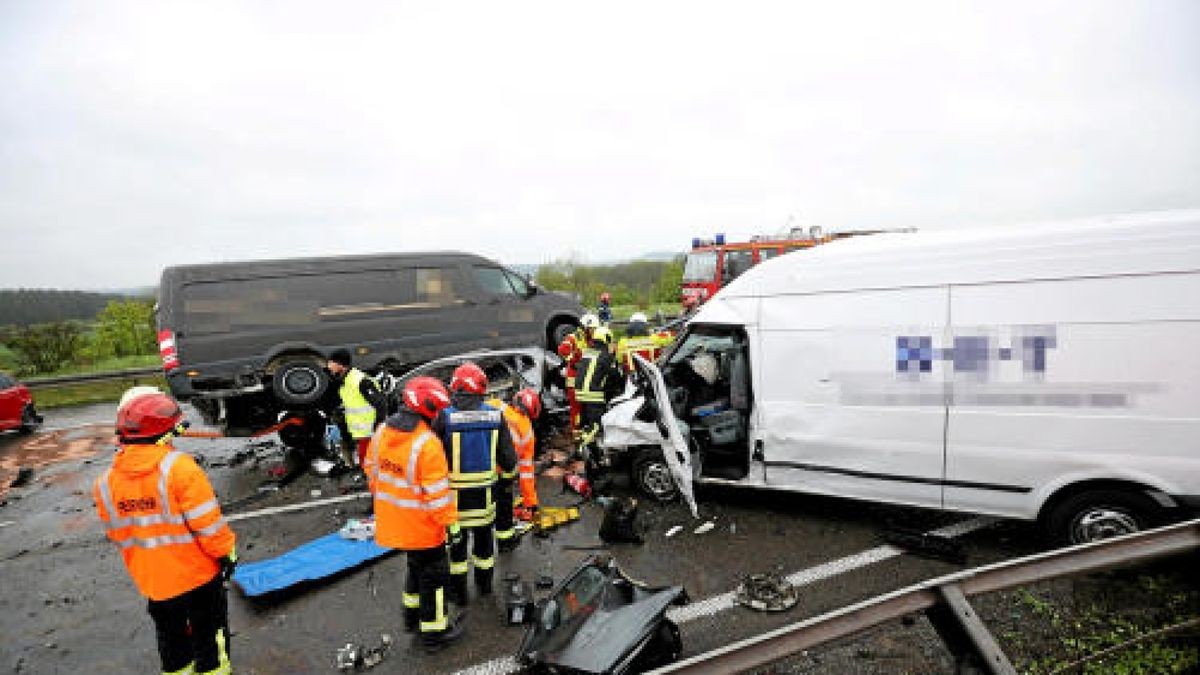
(503, 495)
(193, 627)
(483, 554)
(428, 572)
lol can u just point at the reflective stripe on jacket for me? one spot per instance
(589, 385)
(360, 414)
(648, 346)
(472, 438)
(160, 510)
(411, 483)
(520, 427)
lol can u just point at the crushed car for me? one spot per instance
(599, 620)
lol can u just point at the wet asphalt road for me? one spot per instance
(68, 606)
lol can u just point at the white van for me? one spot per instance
(1048, 372)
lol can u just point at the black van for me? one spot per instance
(247, 341)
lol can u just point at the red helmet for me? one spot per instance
(426, 396)
(528, 401)
(605, 297)
(147, 414)
(469, 378)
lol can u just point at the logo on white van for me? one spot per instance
(977, 353)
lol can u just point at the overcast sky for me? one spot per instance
(138, 135)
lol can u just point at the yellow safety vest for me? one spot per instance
(360, 415)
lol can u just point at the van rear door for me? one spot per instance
(849, 394)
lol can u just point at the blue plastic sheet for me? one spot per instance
(317, 559)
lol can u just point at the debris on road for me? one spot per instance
(358, 530)
(674, 531)
(619, 525)
(598, 620)
(518, 600)
(767, 593)
(358, 658)
(707, 526)
(926, 545)
(24, 475)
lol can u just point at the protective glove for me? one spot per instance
(228, 563)
(454, 534)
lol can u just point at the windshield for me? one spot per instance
(700, 266)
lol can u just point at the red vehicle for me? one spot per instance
(711, 264)
(16, 406)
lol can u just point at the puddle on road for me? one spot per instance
(54, 447)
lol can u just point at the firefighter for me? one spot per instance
(361, 399)
(414, 507)
(604, 311)
(639, 340)
(571, 350)
(479, 448)
(526, 406)
(160, 510)
(598, 381)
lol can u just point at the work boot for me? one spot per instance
(436, 641)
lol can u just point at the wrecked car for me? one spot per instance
(598, 620)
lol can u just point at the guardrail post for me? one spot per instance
(974, 648)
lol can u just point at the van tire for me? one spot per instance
(651, 475)
(1099, 514)
(559, 332)
(299, 382)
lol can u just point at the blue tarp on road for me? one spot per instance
(317, 559)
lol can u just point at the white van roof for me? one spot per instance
(1166, 241)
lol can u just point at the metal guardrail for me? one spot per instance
(63, 380)
(944, 601)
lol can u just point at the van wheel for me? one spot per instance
(652, 476)
(31, 421)
(1100, 514)
(559, 332)
(300, 382)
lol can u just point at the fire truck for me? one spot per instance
(713, 263)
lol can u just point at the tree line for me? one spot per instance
(121, 328)
(28, 306)
(641, 282)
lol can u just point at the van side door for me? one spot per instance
(848, 393)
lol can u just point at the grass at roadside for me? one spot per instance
(106, 365)
(47, 398)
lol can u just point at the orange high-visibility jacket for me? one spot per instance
(411, 484)
(647, 346)
(520, 427)
(160, 510)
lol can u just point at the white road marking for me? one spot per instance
(725, 601)
(296, 507)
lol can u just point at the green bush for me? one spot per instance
(44, 347)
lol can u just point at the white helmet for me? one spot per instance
(638, 317)
(704, 365)
(590, 321)
(134, 392)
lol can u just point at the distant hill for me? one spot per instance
(25, 306)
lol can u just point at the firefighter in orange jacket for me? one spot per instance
(414, 507)
(160, 510)
(526, 406)
(571, 350)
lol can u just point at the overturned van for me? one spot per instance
(246, 342)
(1049, 373)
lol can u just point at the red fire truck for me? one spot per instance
(713, 263)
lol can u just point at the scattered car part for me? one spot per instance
(924, 544)
(707, 526)
(356, 657)
(674, 531)
(518, 600)
(767, 593)
(619, 525)
(24, 475)
(598, 620)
